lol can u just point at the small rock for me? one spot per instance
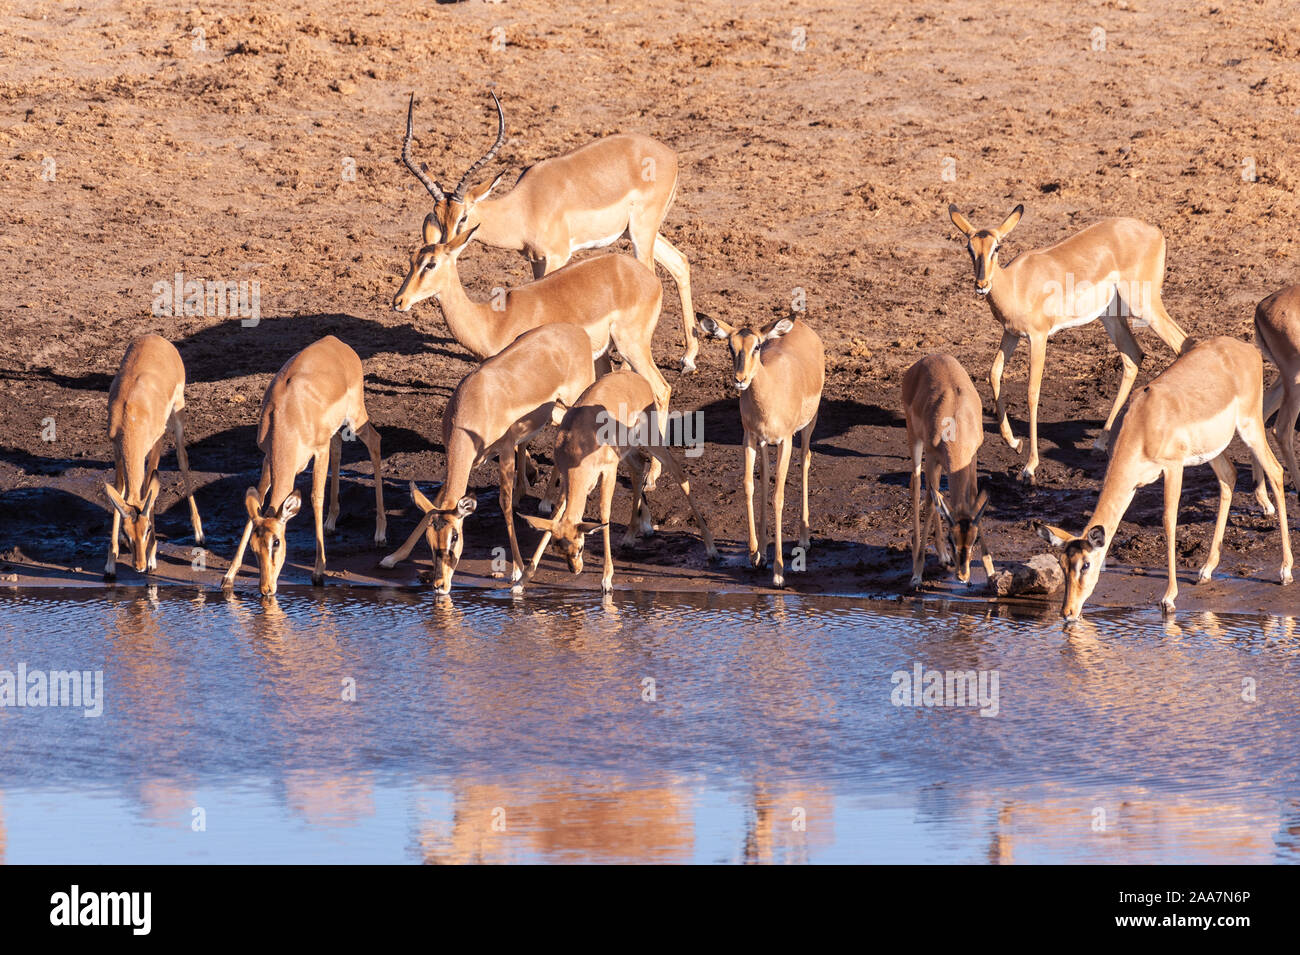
(1039, 575)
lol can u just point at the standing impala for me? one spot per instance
(944, 416)
(144, 400)
(316, 393)
(611, 423)
(1110, 270)
(589, 198)
(779, 370)
(497, 407)
(1186, 416)
(1277, 333)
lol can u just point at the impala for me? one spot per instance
(316, 393)
(779, 369)
(145, 399)
(611, 423)
(1111, 270)
(943, 415)
(1186, 416)
(1277, 333)
(495, 409)
(589, 198)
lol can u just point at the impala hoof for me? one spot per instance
(688, 365)
(318, 580)
(110, 575)
(1205, 574)
(607, 585)
(1167, 604)
(916, 581)
(1027, 476)
(227, 583)
(390, 562)
(756, 559)
(1285, 576)
(711, 552)
(1102, 442)
(778, 581)
(199, 539)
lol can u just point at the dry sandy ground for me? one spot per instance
(211, 140)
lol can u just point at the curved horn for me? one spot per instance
(419, 173)
(487, 157)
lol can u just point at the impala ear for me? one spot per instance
(481, 192)
(1053, 535)
(253, 503)
(960, 221)
(151, 495)
(457, 243)
(1096, 536)
(776, 329)
(715, 327)
(942, 505)
(544, 524)
(290, 507)
(118, 502)
(1009, 222)
(432, 229)
(422, 502)
(466, 505)
(981, 502)
(590, 527)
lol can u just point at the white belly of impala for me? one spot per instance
(1196, 459)
(596, 243)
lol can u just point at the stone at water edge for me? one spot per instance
(1040, 574)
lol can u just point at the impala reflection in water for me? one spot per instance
(380, 726)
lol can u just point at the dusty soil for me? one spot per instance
(213, 140)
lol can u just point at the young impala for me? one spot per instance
(779, 370)
(1111, 270)
(316, 393)
(589, 198)
(944, 416)
(1186, 416)
(611, 423)
(145, 399)
(496, 408)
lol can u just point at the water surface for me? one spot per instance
(486, 728)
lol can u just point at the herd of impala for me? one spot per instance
(545, 352)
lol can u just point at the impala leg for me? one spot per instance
(408, 545)
(755, 552)
(547, 504)
(505, 492)
(1037, 358)
(1173, 491)
(119, 482)
(335, 463)
(1252, 433)
(608, 482)
(262, 484)
(675, 471)
(805, 447)
(320, 468)
(1227, 475)
(933, 475)
(1284, 431)
(637, 516)
(783, 451)
(1006, 348)
(370, 437)
(1165, 327)
(151, 466)
(918, 536)
(183, 459)
(1131, 354)
(667, 255)
(764, 490)
(637, 354)
(985, 559)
